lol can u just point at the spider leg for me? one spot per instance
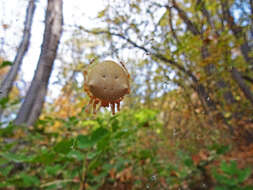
(113, 108)
(94, 106)
(88, 106)
(85, 73)
(118, 105)
(99, 106)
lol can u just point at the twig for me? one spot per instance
(56, 182)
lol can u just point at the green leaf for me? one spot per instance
(51, 187)
(115, 125)
(107, 167)
(7, 131)
(224, 180)
(6, 170)
(28, 180)
(104, 143)
(76, 155)
(53, 170)
(188, 162)
(144, 154)
(5, 64)
(3, 102)
(64, 146)
(83, 141)
(45, 157)
(98, 134)
(18, 158)
(120, 134)
(72, 121)
(164, 19)
(145, 115)
(90, 123)
(220, 149)
(244, 174)
(102, 13)
(91, 155)
(87, 141)
(247, 188)
(221, 188)
(230, 168)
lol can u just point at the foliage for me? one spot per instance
(5, 64)
(93, 157)
(104, 153)
(231, 177)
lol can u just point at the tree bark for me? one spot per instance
(9, 79)
(34, 100)
(243, 86)
(251, 10)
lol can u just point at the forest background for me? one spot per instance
(187, 123)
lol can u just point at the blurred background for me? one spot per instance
(187, 123)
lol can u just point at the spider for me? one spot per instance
(106, 83)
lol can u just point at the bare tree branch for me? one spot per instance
(249, 79)
(190, 25)
(156, 55)
(171, 25)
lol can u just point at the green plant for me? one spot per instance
(229, 177)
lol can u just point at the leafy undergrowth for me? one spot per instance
(131, 150)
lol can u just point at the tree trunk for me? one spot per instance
(9, 79)
(251, 10)
(33, 103)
